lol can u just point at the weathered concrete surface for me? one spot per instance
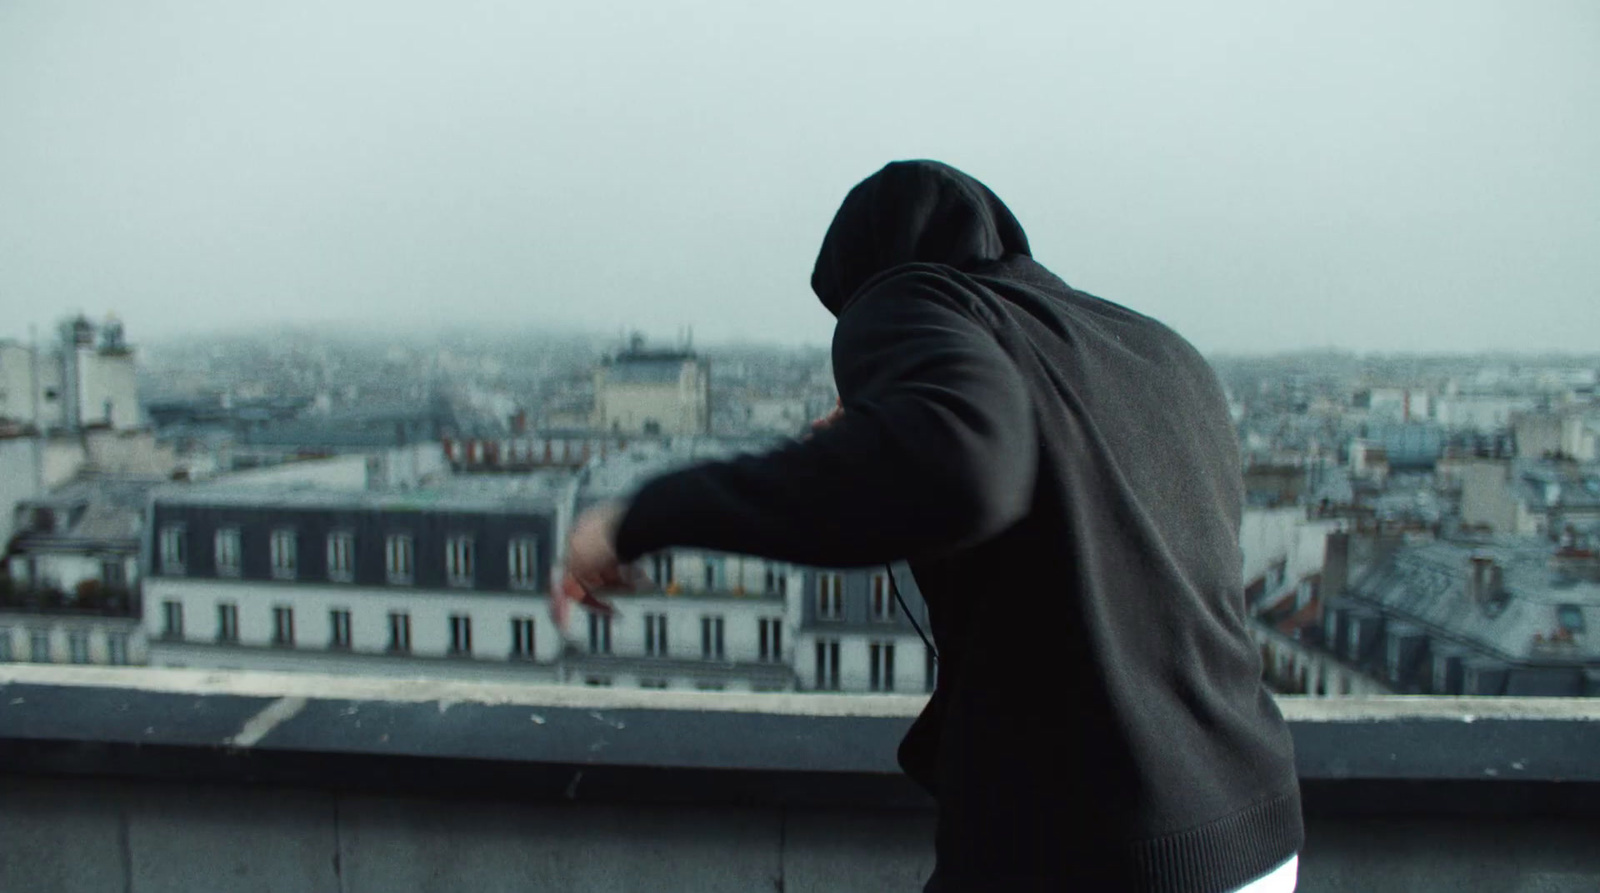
(1466, 856)
(835, 851)
(88, 836)
(484, 786)
(62, 835)
(394, 844)
(193, 839)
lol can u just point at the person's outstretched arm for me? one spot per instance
(935, 450)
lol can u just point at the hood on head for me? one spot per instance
(912, 212)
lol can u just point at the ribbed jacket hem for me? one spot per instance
(1225, 854)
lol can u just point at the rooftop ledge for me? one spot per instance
(543, 742)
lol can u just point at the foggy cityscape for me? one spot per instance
(322, 326)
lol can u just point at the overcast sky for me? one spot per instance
(1369, 175)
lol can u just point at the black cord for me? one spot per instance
(895, 588)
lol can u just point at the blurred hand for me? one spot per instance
(592, 564)
(827, 421)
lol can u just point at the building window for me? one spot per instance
(398, 553)
(460, 634)
(599, 634)
(341, 556)
(711, 638)
(225, 549)
(174, 549)
(39, 646)
(113, 573)
(458, 560)
(661, 569)
(597, 681)
(653, 683)
(172, 619)
(772, 639)
(227, 622)
(713, 574)
(1570, 617)
(930, 669)
(709, 685)
(78, 646)
(830, 596)
(399, 632)
(5, 644)
(524, 564)
(770, 584)
(655, 635)
(881, 655)
(522, 638)
(883, 607)
(339, 621)
(117, 649)
(283, 557)
(283, 626)
(827, 665)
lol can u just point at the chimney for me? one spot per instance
(1485, 582)
(1335, 564)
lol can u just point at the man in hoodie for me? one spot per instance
(1062, 476)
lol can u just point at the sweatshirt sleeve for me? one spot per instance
(935, 451)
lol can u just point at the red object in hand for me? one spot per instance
(568, 590)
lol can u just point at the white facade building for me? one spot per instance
(71, 589)
(432, 581)
(321, 627)
(1479, 412)
(87, 379)
(652, 393)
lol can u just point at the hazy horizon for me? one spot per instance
(1264, 178)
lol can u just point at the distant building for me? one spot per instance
(1270, 485)
(1369, 461)
(652, 392)
(351, 431)
(32, 465)
(778, 415)
(1545, 435)
(451, 580)
(531, 452)
(1395, 405)
(739, 622)
(1408, 447)
(72, 590)
(705, 621)
(88, 379)
(1527, 498)
(21, 463)
(1451, 618)
(1479, 412)
(855, 635)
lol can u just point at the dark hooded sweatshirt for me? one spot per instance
(1063, 478)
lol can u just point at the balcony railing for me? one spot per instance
(90, 599)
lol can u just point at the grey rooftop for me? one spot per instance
(464, 493)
